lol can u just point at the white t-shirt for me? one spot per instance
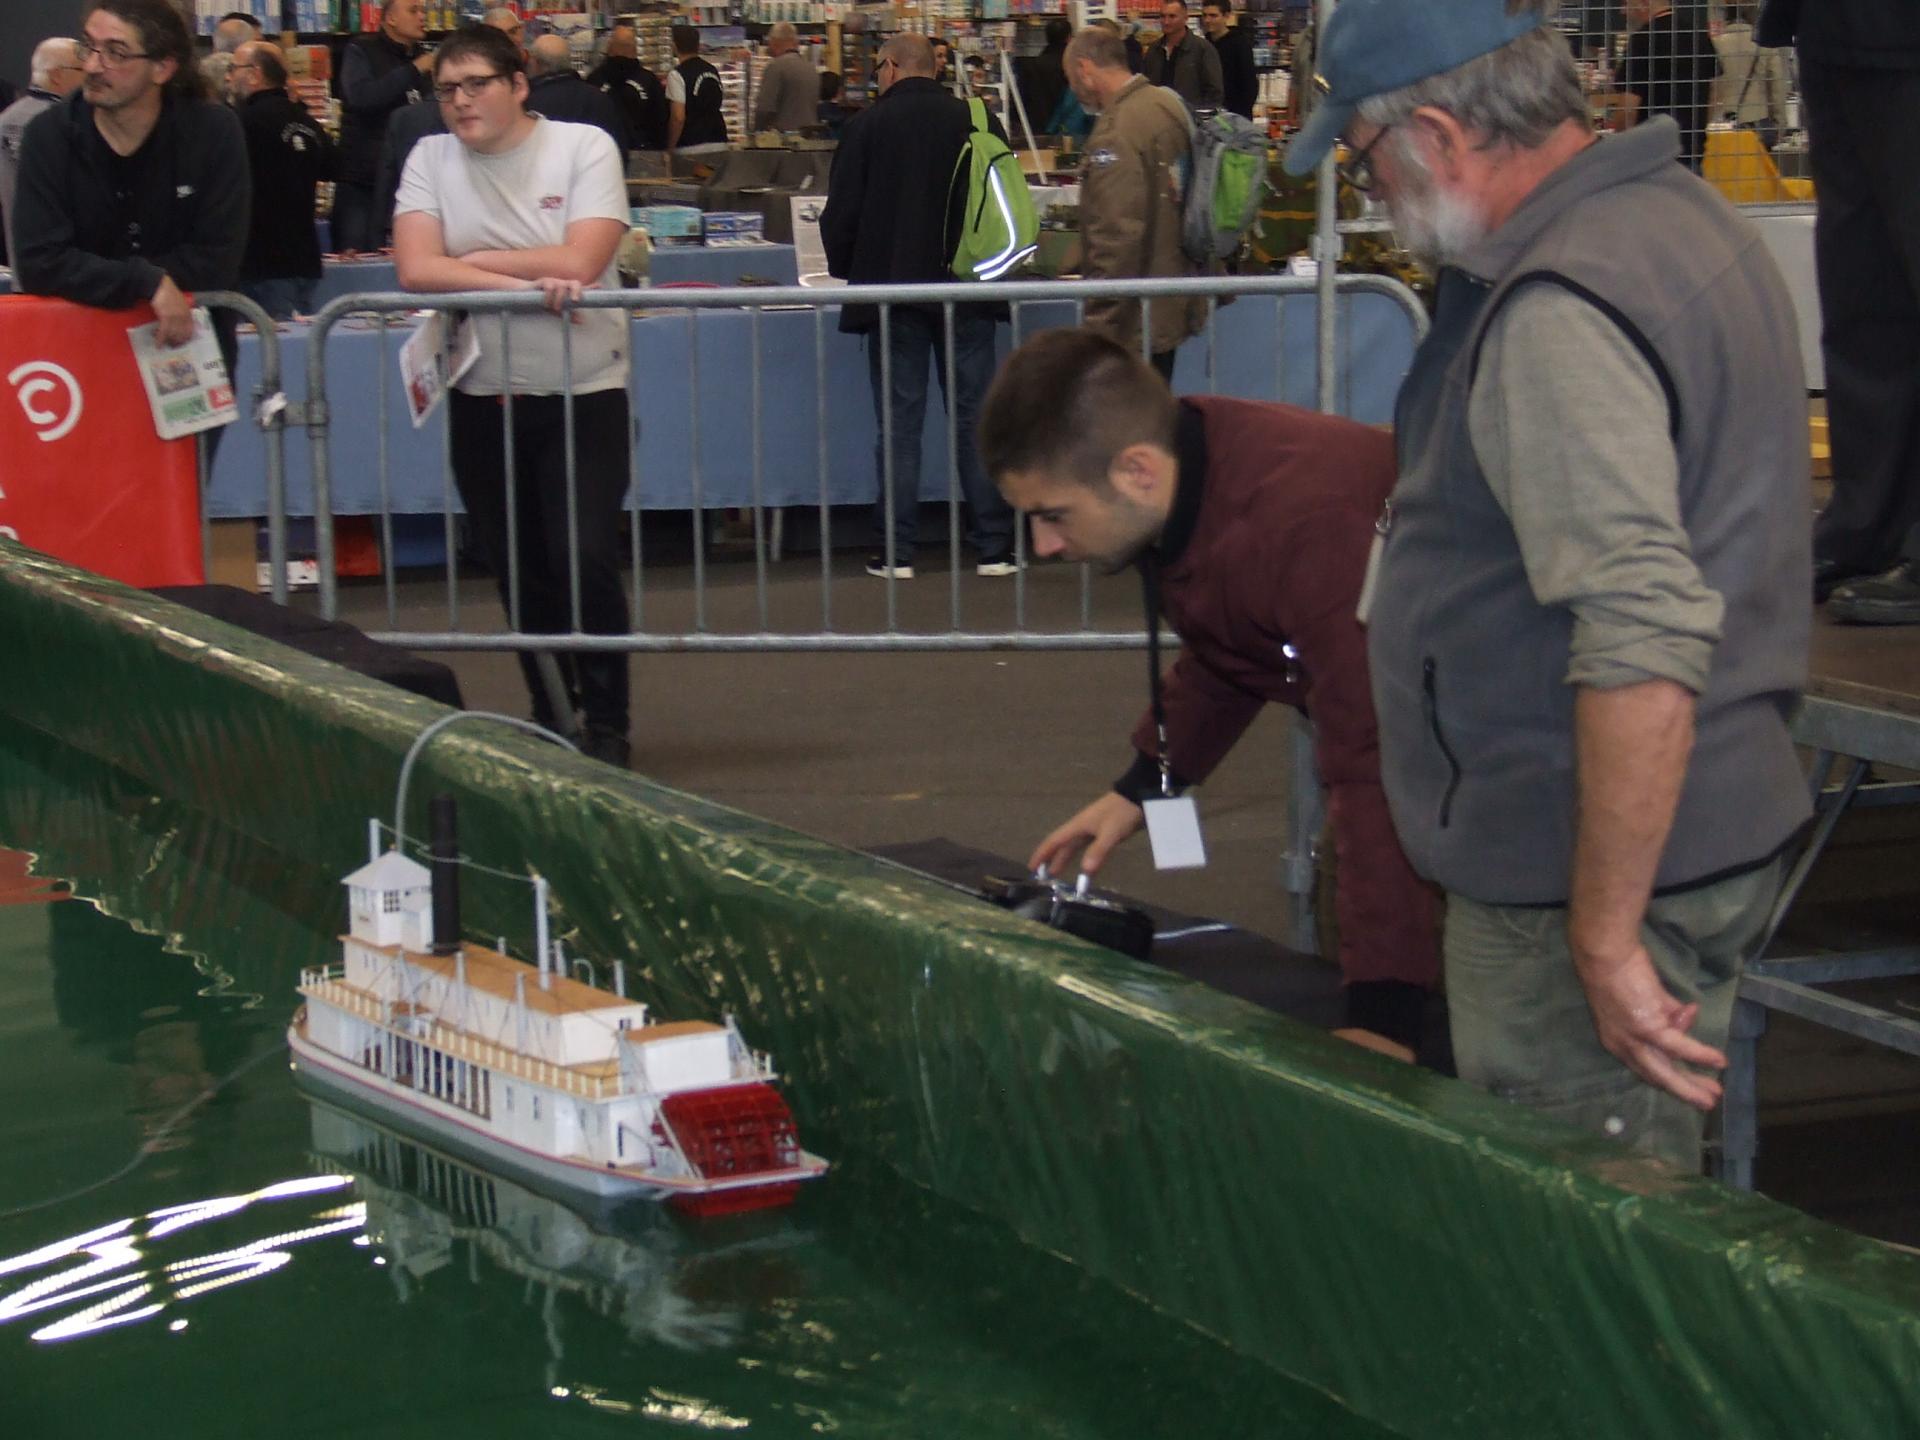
(524, 199)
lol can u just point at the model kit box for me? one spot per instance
(735, 227)
(669, 224)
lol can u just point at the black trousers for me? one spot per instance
(355, 223)
(1860, 125)
(597, 684)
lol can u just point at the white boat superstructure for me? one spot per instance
(533, 1069)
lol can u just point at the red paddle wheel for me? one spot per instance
(734, 1132)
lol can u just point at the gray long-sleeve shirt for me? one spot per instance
(1571, 427)
(789, 94)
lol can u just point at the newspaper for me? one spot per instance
(439, 352)
(187, 385)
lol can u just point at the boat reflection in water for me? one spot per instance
(631, 1264)
(638, 1265)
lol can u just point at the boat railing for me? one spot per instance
(460, 1044)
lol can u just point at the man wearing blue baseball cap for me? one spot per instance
(1590, 620)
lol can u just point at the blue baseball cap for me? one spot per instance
(1374, 47)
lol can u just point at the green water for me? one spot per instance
(277, 1267)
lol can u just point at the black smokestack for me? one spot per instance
(442, 822)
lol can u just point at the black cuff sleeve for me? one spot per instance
(1393, 1008)
(1142, 780)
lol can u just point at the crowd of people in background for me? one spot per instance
(1596, 917)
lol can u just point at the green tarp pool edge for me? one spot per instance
(1446, 1264)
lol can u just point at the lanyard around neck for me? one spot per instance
(1150, 593)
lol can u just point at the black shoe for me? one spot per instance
(1829, 575)
(609, 746)
(1889, 599)
(901, 569)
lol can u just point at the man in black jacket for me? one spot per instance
(559, 94)
(136, 189)
(378, 74)
(893, 214)
(1043, 79)
(288, 154)
(1184, 62)
(1239, 81)
(1860, 86)
(636, 89)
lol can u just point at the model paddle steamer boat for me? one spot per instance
(528, 1068)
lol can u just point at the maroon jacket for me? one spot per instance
(1268, 551)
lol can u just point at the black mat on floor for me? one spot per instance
(325, 639)
(1238, 962)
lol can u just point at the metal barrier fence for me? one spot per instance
(267, 411)
(490, 309)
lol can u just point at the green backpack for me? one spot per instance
(1000, 229)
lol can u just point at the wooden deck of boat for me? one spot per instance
(489, 970)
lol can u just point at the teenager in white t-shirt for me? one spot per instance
(510, 201)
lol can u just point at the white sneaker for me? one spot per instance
(996, 566)
(878, 568)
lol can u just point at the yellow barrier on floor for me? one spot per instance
(1739, 167)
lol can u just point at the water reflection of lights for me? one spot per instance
(683, 1410)
(134, 1285)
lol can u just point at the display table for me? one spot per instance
(707, 357)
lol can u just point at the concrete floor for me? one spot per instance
(987, 749)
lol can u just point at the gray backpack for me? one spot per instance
(1226, 181)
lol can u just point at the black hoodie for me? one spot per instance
(98, 229)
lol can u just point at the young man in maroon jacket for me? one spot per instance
(1252, 522)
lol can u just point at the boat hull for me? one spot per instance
(378, 1096)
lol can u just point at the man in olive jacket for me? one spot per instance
(1130, 189)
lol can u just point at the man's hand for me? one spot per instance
(423, 62)
(560, 293)
(174, 314)
(1632, 744)
(1645, 1028)
(1096, 829)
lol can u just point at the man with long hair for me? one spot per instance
(138, 188)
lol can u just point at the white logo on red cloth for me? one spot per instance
(38, 378)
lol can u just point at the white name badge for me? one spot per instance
(1173, 830)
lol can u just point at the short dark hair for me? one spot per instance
(481, 42)
(244, 17)
(163, 36)
(829, 84)
(1225, 7)
(1059, 31)
(1068, 402)
(686, 40)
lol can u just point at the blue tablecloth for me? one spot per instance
(708, 355)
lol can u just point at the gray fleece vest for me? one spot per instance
(1476, 717)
